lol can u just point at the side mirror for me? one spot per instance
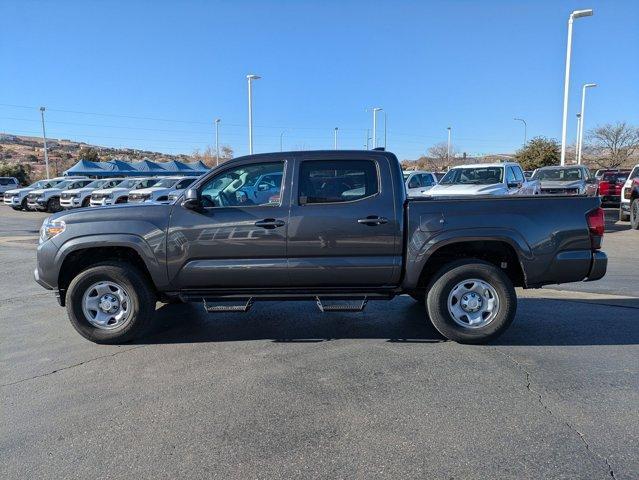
(514, 185)
(191, 199)
(262, 187)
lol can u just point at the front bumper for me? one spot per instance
(37, 205)
(101, 203)
(12, 201)
(70, 202)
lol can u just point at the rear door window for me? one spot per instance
(336, 181)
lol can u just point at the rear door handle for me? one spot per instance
(269, 223)
(372, 220)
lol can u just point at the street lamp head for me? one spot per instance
(336, 129)
(448, 128)
(588, 85)
(377, 109)
(581, 13)
(253, 77)
(42, 109)
(217, 120)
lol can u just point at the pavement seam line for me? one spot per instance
(68, 367)
(582, 437)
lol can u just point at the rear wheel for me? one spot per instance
(110, 303)
(23, 204)
(121, 200)
(471, 301)
(634, 214)
(86, 202)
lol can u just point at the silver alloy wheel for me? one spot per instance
(473, 303)
(106, 305)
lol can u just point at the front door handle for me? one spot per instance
(372, 220)
(269, 223)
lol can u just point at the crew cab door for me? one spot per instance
(343, 227)
(231, 240)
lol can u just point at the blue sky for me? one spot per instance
(175, 66)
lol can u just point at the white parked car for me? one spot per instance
(629, 193)
(567, 180)
(17, 198)
(120, 192)
(159, 192)
(48, 199)
(81, 197)
(485, 179)
(8, 183)
(418, 182)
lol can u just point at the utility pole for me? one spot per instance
(385, 131)
(281, 135)
(250, 79)
(448, 147)
(335, 138)
(573, 15)
(375, 110)
(217, 142)
(44, 137)
(525, 129)
(580, 140)
(577, 138)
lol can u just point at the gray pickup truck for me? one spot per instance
(338, 230)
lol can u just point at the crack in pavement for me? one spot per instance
(582, 437)
(68, 367)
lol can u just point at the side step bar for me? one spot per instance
(242, 308)
(341, 308)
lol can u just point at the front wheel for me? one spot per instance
(53, 205)
(634, 214)
(623, 217)
(471, 301)
(110, 303)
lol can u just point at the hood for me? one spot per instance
(123, 211)
(40, 191)
(561, 183)
(103, 191)
(442, 190)
(17, 191)
(79, 190)
(150, 190)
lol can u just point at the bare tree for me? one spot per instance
(208, 156)
(610, 146)
(438, 159)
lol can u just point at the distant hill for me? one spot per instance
(63, 153)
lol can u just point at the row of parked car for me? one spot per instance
(60, 193)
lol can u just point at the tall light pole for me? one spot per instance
(217, 141)
(525, 128)
(44, 137)
(375, 110)
(448, 147)
(385, 129)
(281, 136)
(580, 138)
(577, 137)
(573, 15)
(335, 138)
(250, 79)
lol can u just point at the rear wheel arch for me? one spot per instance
(498, 252)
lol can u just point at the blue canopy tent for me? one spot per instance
(120, 168)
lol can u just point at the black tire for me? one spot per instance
(623, 217)
(634, 214)
(141, 302)
(53, 205)
(86, 202)
(454, 274)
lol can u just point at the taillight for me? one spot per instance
(603, 188)
(596, 226)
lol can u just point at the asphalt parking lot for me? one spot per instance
(287, 392)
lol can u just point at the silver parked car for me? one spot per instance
(572, 180)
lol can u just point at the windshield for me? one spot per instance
(166, 182)
(6, 181)
(95, 184)
(558, 174)
(473, 176)
(614, 177)
(126, 183)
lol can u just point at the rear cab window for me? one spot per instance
(337, 181)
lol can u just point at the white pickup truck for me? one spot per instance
(159, 192)
(48, 199)
(80, 197)
(120, 192)
(485, 179)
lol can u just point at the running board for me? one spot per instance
(340, 308)
(242, 308)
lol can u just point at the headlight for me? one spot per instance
(110, 195)
(51, 228)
